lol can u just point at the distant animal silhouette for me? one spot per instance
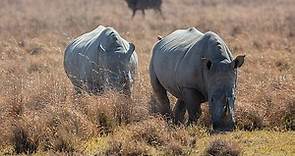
(142, 5)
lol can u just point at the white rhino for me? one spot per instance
(195, 67)
(100, 60)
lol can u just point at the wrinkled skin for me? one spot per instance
(118, 76)
(221, 95)
(101, 60)
(195, 68)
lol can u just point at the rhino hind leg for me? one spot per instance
(179, 111)
(163, 107)
(192, 101)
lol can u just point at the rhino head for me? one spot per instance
(221, 84)
(118, 66)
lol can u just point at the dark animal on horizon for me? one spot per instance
(101, 60)
(195, 67)
(142, 5)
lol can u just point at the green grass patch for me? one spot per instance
(254, 143)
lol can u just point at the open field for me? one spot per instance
(39, 111)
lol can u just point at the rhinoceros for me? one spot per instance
(195, 67)
(135, 5)
(101, 60)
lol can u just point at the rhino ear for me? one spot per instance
(238, 62)
(131, 50)
(207, 62)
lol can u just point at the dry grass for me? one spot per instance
(40, 112)
(152, 136)
(223, 148)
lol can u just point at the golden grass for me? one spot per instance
(195, 140)
(255, 143)
(37, 98)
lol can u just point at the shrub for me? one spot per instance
(118, 148)
(105, 124)
(249, 121)
(222, 148)
(289, 117)
(149, 135)
(21, 141)
(64, 144)
(122, 108)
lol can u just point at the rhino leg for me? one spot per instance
(159, 10)
(192, 99)
(133, 13)
(179, 111)
(161, 95)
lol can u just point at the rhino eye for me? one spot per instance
(211, 100)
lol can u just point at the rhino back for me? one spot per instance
(146, 4)
(81, 56)
(169, 52)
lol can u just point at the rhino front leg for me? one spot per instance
(179, 111)
(192, 99)
(133, 13)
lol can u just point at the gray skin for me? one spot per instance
(101, 60)
(195, 68)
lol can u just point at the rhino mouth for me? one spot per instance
(225, 120)
(223, 127)
(226, 123)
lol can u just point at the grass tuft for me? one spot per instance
(289, 117)
(223, 148)
(22, 142)
(249, 121)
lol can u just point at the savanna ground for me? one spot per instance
(39, 112)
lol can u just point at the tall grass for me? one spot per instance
(39, 108)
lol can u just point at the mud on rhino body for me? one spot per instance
(195, 68)
(101, 60)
